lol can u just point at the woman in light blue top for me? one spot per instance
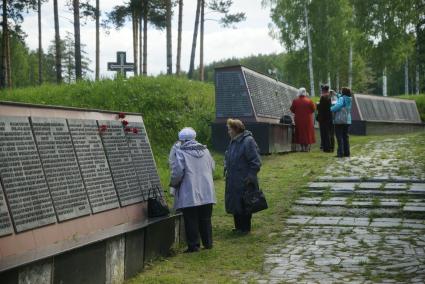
(342, 122)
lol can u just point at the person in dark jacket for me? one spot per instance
(242, 163)
(324, 117)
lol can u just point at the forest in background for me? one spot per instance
(372, 46)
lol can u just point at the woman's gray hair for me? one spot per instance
(302, 92)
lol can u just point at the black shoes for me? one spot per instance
(190, 250)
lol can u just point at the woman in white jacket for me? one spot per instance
(192, 177)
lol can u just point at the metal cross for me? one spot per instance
(121, 66)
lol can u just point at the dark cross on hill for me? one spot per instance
(121, 66)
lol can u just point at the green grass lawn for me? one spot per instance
(282, 178)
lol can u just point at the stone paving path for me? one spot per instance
(364, 222)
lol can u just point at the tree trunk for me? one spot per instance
(417, 85)
(40, 47)
(145, 37)
(58, 51)
(195, 37)
(179, 38)
(201, 43)
(3, 72)
(141, 44)
(97, 15)
(310, 52)
(329, 80)
(169, 39)
(77, 41)
(8, 63)
(384, 82)
(406, 76)
(337, 80)
(350, 66)
(134, 18)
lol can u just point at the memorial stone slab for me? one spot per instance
(61, 167)
(93, 164)
(143, 160)
(121, 163)
(5, 225)
(21, 172)
(232, 96)
(396, 186)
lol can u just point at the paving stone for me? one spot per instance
(300, 220)
(385, 224)
(370, 185)
(413, 208)
(395, 186)
(320, 185)
(324, 221)
(327, 261)
(417, 187)
(348, 221)
(308, 201)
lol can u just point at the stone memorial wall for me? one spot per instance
(69, 177)
(244, 93)
(377, 108)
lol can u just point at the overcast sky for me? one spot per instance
(251, 37)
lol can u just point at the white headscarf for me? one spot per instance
(302, 92)
(187, 134)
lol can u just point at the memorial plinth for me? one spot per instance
(257, 100)
(73, 189)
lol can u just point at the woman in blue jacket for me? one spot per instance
(342, 122)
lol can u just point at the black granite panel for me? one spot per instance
(93, 164)
(134, 253)
(22, 176)
(61, 167)
(5, 224)
(121, 163)
(159, 238)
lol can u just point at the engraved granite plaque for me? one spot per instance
(93, 164)
(60, 167)
(232, 98)
(270, 97)
(5, 225)
(376, 108)
(22, 175)
(121, 163)
(143, 160)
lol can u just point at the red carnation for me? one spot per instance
(121, 115)
(135, 130)
(103, 128)
(124, 122)
(127, 129)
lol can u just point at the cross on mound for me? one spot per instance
(121, 66)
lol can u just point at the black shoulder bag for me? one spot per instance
(156, 205)
(254, 199)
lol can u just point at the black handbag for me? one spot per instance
(254, 199)
(156, 205)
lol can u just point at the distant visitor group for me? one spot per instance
(192, 165)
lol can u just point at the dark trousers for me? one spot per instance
(341, 132)
(197, 221)
(243, 222)
(327, 137)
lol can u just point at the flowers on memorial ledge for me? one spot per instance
(103, 128)
(121, 115)
(124, 122)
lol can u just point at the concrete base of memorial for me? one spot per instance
(270, 137)
(376, 128)
(110, 256)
